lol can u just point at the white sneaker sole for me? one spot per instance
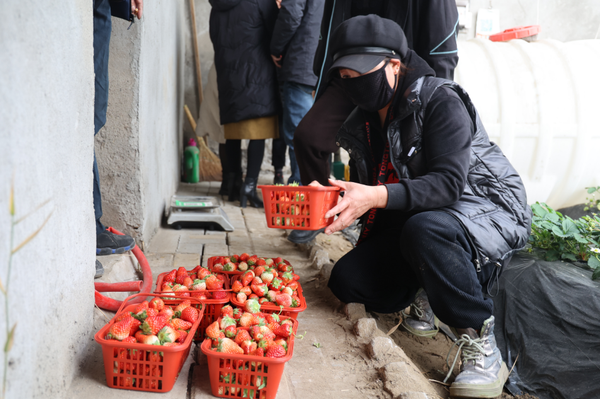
(491, 390)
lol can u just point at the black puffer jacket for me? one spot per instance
(241, 32)
(295, 37)
(429, 26)
(492, 204)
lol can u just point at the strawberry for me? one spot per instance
(219, 294)
(181, 271)
(246, 290)
(179, 324)
(253, 296)
(167, 288)
(267, 277)
(189, 314)
(213, 283)
(167, 312)
(259, 270)
(141, 307)
(202, 273)
(293, 285)
(258, 352)
(157, 303)
(241, 297)
(230, 331)
(263, 300)
(271, 295)
(255, 333)
(269, 262)
(135, 326)
(182, 306)
(287, 290)
(120, 330)
(278, 260)
(281, 342)
(284, 300)
(296, 277)
(227, 310)
(252, 260)
(287, 277)
(129, 340)
(122, 316)
(242, 266)
(236, 286)
(152, 325)
(226, 345)
(275, 351)
(199, 285)
(283, 331)
(151, 312)
(241, 336)
(218, 267)
(146, 339)
(261, 262)
(237, 313)
(170, 277)
(213, 331)
(167, 334)
(244, 257)
(188, 282)
(255, 281)
(248, 346)
(182, 336)
(252, 306)
(247, 319)
(259, 289)
(276, 284)
(229, 267)
(181, 278)
(226, 322)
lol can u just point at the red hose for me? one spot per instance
(143, 286)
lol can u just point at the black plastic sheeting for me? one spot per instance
(548, 313)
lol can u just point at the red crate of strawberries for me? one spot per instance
(247, 352)
(211, 288)
(237, 264)
(145, 345)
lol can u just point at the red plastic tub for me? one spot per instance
(299, 207)
(151, 368)
(245, 376)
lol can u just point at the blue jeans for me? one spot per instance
(102, 28)
(297, 100)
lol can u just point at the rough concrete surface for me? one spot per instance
(46, 141)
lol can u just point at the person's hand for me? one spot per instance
(277, 60)
(137, 6)
(278, 2)
(357, 200)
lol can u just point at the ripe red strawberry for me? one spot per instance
(241, 336)
(146, 339)
(226, 322)
(236, 286)
(261, 262)
(246, 320)
(167, 287)
(181, 271)
(190, 314)
(179, 324)
(141, 307)
(258, 352)
(120, 330)
(287, 277)
(157, 303)
(168, 312)
(230, 267)
(167, 334)
(213, 283)
(246, 290)
(151, 312)
(259, 270)
(287, 290)
(252, 306)
(135, 326)
(129, 340)
(275, 351)
(202, 273)
(255, 333)
(276, 284)
(213, 330)
(241, 297)
(263, 300)
(237, 313)
(283, 331)
(188, 282)
(244, 257)
(122, 316)
(252, 260)
(255, 281)
(219, 294)
(226, 345)
(152, 325)
(230, 331)
(181, 278)
(182, 306)
(227, 310)
(170, 277)
(260, 289)
(248, 346)
(284, 300)
(278, 260)
(293, 285)
(182, 336)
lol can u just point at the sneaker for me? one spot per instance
(99, 270)
(482, 372)
(278, 177)
(421, 321)
(304, 236)
(108, 243)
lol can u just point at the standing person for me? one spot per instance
(293, 47)
(443, 210)
(430, 29)
(248, 101)
(106, 242)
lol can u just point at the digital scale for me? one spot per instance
(197, 209)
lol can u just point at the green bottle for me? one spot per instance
(191, 171)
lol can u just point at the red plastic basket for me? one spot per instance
(212, 310)
(299, 208)
(288, 312)
(211, 261)
(150, 368)
(242, 376)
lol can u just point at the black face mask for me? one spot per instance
(370, 92)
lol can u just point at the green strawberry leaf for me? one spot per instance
(596, 274)
(594, 263)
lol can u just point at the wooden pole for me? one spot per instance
(196, 52)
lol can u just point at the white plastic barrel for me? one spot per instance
(540, 102)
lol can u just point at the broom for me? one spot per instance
(209, 164)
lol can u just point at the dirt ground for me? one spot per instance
(429, 355)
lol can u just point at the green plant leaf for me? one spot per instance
(538, 209)
(580, 239)
(553, 217)
(569, 257)
(591, 190)
(557, 231)
(596, 274)
(593, 262)
(10, 339)
(552, 255)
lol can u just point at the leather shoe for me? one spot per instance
(304, 236)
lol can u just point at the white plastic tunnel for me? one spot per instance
(540, 102)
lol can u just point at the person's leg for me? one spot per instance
(233, 149)
(440, 254)
(256, 152)
(314, 138)
(376, 275)
(297, 101)
(278, 160)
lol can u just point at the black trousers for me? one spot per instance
(314, 138)
(431, 251)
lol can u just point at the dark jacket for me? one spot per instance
(430, 29)
(480, 188)
(295, 37)
(240, 32)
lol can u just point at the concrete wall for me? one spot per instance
(139, 148)
(46, 142)
(562, 20)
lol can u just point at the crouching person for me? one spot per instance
(442, 208)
